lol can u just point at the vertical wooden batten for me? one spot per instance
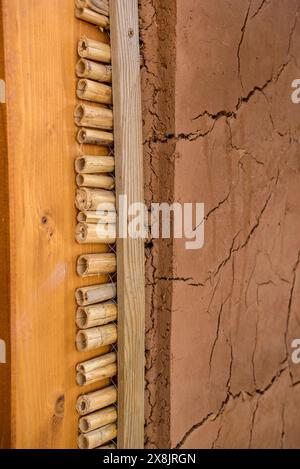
(130, 252)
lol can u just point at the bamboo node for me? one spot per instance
(94, 294)
(94, 137)
(94, 50)
(90, 339)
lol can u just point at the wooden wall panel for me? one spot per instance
(40, 40)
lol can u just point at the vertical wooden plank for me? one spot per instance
(5, 363)
(129, 182)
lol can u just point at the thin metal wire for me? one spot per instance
(111, 150)
(112, 277)
(113, 248)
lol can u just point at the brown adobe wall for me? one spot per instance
(220, 128)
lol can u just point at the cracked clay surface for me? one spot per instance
(220, 128)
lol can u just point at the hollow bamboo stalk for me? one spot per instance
(90, 90)
(100, 6)
(96, 315)
(95, 363)
(95, 199)
(95, 376)
(93, 264)
(95, 234)
(98, 419)
(92, 17)
(97, 437)
(91, 116)
(90, 164)
(94, 137)
(96, 293)
(96, 400)
(94, 50)
(99, 216)
(91, 339)
(95, 180)
(94, 70)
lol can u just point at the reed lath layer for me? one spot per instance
(97, 308)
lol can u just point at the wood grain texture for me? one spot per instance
(5, 368)
(40, 45)
(130, 252)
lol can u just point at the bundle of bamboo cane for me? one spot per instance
(99, 117)
(95, 180)
(94, 70)
(91, 233)
(97, 437)
(90, 90)
(100, 6)
(98, 419)
(93, 17)
(96, 264)
(94, 50)
(96, 315)
(92, 199)
(96, 202)
(94, 164)
(100, 216)
(94, 137)
(90, 339)
(95, 363)
(96, 400)
(95, 376)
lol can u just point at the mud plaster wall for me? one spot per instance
(220, 128)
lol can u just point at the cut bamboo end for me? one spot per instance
(97, 117)
(97, 217)
(91, 339)
(95, 294)
(98, 419)
(100, 6)
(96, 315)
(95, 363)
(95, 180)
(97, 437)
(94, 50)
(95, 199)
(94, 137)
(94, 264)
(90, 90)
(92, 17)
(94, 376)
(94, 164)
(95, 233)
(94, 70)
(96, 400)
